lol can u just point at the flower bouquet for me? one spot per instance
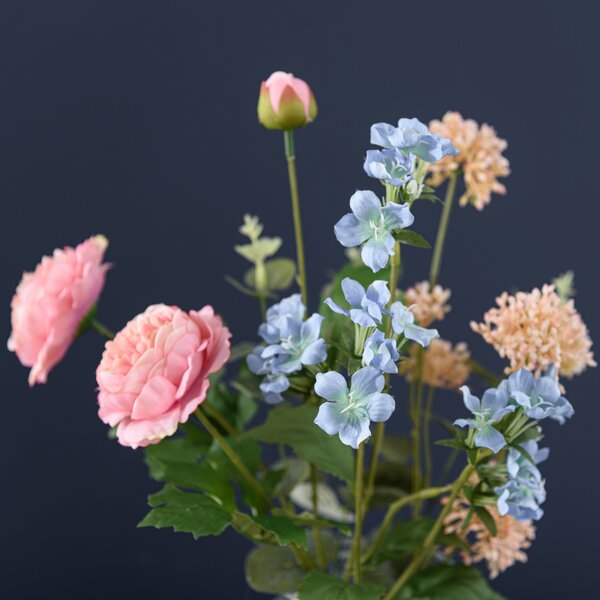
(284, 439)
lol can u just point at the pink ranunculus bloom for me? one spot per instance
(51, 302)
(154, 374)
(285, 102)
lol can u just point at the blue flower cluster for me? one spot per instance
(537, 398)
(292, 343)
(521, 496)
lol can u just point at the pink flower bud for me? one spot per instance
(285, 102)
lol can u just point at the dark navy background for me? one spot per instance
(137, 120)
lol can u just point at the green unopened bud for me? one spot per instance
(285, 102)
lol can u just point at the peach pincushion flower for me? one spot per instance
(51, 302)
(443, 366)
(480, 158)
(428, 304)
(154, 374)
(536, 330)
(502, 551)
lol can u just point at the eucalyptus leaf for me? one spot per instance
(280, 274)
(273, 570)
(328, 505)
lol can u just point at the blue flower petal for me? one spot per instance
(350, 232)
(490, 438)
(375, 254)
(332, 386)
(365, 205)
(379, 406)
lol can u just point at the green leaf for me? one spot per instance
(295, 471)
(524, 453)
(237, 408)
(295, 427)
(452, 443)
(486, 518)
(448, 582)
(533, 433)
(273, 570)
(280, 274)
(284, 529)
(411, 238)
(319, 586)
(188, 512)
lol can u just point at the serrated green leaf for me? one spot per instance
(448, 582)
(273, 570)
(187, 512)
(295, 427)
(411, 238)
(320, 586)
(280, 274)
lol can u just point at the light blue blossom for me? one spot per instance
(490, 409)
(367, 308)
(413, 136)
(372, 223)
(403, 322)
(276, 315)
(348, 412)
(300, 345)
(381, 353)
(272, 386)
(521, 501)
(391, 165)
(519, 466)
(540, 398)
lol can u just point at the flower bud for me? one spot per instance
(285, 102)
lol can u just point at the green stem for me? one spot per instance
(416, 431)
(315, 509)
(353, 563)
(233, 457)
(438, 248)
(380, 427)
(215, 415)
(102, 329)
(288, 139)
(429, 542)
(394, 508)
(427, 436)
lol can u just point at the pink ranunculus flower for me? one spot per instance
(51, 302)
(285, 102)
(154, 374)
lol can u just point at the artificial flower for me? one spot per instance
(273, 384)
(380, 353)
(480, 158)
(390, 165)
(487, 411)
(292, 306)
(285, 102)
(154, 374)
(372, 223)
(403, 323)
(50, 304)
(348, 412)
(427, 304)
(537, 330)
(367, 308)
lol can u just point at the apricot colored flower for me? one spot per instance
(51, 302)
(428, 305)
(538, 330)
(501, 551)
(154, 374)
(444, 366)
(480, 158)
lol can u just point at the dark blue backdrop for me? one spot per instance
(137, 119)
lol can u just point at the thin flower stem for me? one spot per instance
(478, 369)
(436, 261)
(416, 431)
(233, 457)
(314, 481)
(394, 508)
(102, 329)
(354, 558)
(263, 307)
(380, 427)
(214, 414)
(427, 436)
(422, 555)
(288, 138)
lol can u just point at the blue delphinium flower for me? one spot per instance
(348, 412)
(403, 322)
(391, 165)
(273, 385)
(300, 344)
(381, 353)
(372, 223)
(412, 136)
(367, 308)
(524, 491)
(540, 398)
(487, 411)
(291, 306)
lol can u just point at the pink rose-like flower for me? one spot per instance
(51, 302)
(154, 374)
(285, 102)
